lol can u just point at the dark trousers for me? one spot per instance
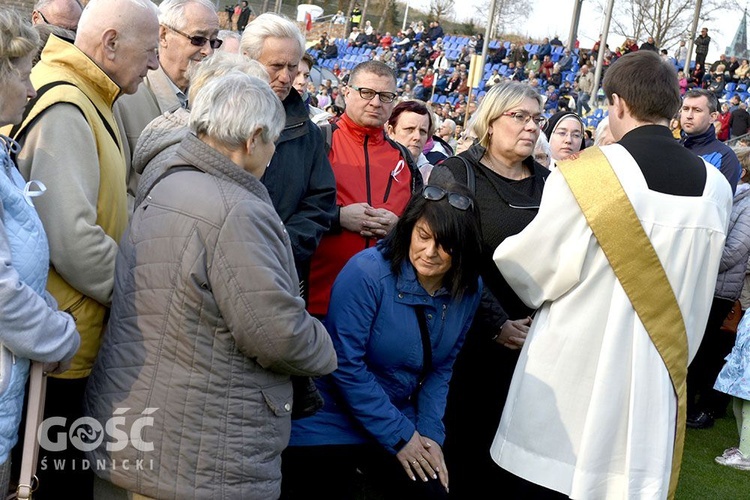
(700, 59)
(61, 476)
(346, 472)
(708, 362)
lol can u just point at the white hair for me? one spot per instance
(40, 4)
(450, 123)
(229, 110)
(226, 34)
(172, 12)
(269, 25)
(219, 64)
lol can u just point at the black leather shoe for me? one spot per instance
(700, 420)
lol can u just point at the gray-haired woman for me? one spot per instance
(207, 323)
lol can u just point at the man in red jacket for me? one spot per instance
(375, 178)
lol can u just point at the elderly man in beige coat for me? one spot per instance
(188, 33)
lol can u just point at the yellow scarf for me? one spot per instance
(611, 217)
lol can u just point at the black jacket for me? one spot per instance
(300, 181)
(739, 122)
(243, 18)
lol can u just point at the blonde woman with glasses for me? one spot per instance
(508, 188)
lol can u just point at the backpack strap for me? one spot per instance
(424, 333)
(43, 90)
(471, 178)
(328, 129)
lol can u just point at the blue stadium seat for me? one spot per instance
(729, 87)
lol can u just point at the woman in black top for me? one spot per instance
(508, 188)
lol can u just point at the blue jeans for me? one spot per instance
(583, 102)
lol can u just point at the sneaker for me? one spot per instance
(729, 452)
(736, 461)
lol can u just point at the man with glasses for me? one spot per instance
(61, 13)
(188, 33)
(375, 177)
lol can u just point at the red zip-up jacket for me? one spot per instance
(368, 168)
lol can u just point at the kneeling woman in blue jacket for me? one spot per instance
(399, 313)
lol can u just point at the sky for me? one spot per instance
(552, 17)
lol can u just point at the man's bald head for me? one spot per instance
(121, 37)
(62, 13)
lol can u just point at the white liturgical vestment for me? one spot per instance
(591, 410)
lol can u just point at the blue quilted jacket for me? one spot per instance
(30, 326)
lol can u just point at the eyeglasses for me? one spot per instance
(369, 94)
(523, 118)
(456, 200)
(198, 41)
(562, 134)
(466, 137)
(73, 29)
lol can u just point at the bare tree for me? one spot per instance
(508, 14)
(441, 9)
(386, 5)
(668, 21)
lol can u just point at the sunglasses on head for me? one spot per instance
(456, 200)
(198, 41)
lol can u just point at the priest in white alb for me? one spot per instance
(620, 263)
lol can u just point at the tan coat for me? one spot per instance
(156, 95)
(66, 144)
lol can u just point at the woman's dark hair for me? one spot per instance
(456, 231)
(413, 106)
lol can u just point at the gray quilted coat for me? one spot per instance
(736, 249)
(207, 326)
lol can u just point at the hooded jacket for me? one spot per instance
(207, 326)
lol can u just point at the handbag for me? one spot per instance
(28, 482)
(733, 318)
(306, 399)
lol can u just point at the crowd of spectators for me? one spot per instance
(434, 67)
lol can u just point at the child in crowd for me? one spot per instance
(734, 379)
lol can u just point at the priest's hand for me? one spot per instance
(513, 333)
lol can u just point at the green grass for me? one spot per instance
(703, 479)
